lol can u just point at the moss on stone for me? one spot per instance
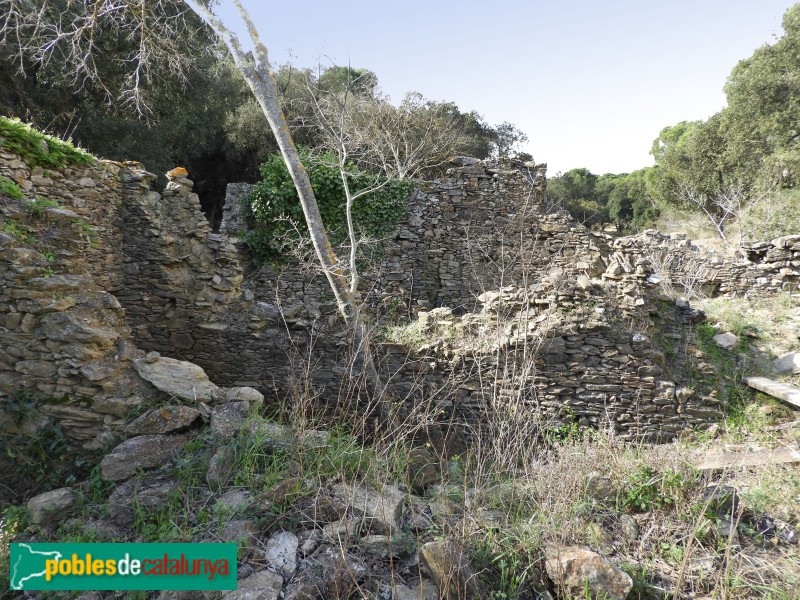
(37, 148)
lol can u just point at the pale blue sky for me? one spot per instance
(592, 83)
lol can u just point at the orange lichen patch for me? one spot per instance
(178, 172)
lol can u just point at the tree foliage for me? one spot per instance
(596, 200)
(278, 218)
(723, 166)
(150, 81)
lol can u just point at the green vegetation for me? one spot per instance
(37, 206)
(30, 144)
(506, 561)
(10, 189)
(596, 201)
(28, 442)
(646, 489)
(504, 519)
(727, 382)
(279, 217)
(22, 234)
(206, 120)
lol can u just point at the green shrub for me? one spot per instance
(28, 443)
(279, 220)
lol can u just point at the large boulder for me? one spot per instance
(188, 381)
(51, 506)
(142, 452)
(575, 570)
(178, 378)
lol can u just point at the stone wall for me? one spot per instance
(479, 242)
(92, 262)
(568, 350)
(63, 333)
(762, 268)
(483, 234)
(181, 281)
(484, 228)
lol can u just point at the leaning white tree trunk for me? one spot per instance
(257, 71)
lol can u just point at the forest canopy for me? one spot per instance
(204, 118)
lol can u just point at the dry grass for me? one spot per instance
(772, 323)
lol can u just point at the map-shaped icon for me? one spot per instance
(28, 564)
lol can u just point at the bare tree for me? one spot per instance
(407, 140)
(361, 128)
(150, 39)
(67, 32)
(726, 207)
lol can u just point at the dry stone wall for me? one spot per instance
(762, 268)
(133, 269)
(63, 333)
(180, 279)
(87, 254)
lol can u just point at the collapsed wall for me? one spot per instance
(762, 268)
(478, 239)
(483, 234)
(69, 363)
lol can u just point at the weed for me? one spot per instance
(411, 335)
(85, 228)
(169, 523)
(10, 189)
(647, 489)
(23, 235)
(28, 442)
(568, 432)
(505, 560)
(737, 395)
(343, 456)
(642, 588)
(37, 206)
(258, 465)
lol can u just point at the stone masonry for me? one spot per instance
(474, 245)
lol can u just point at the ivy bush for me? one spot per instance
(278, 215)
